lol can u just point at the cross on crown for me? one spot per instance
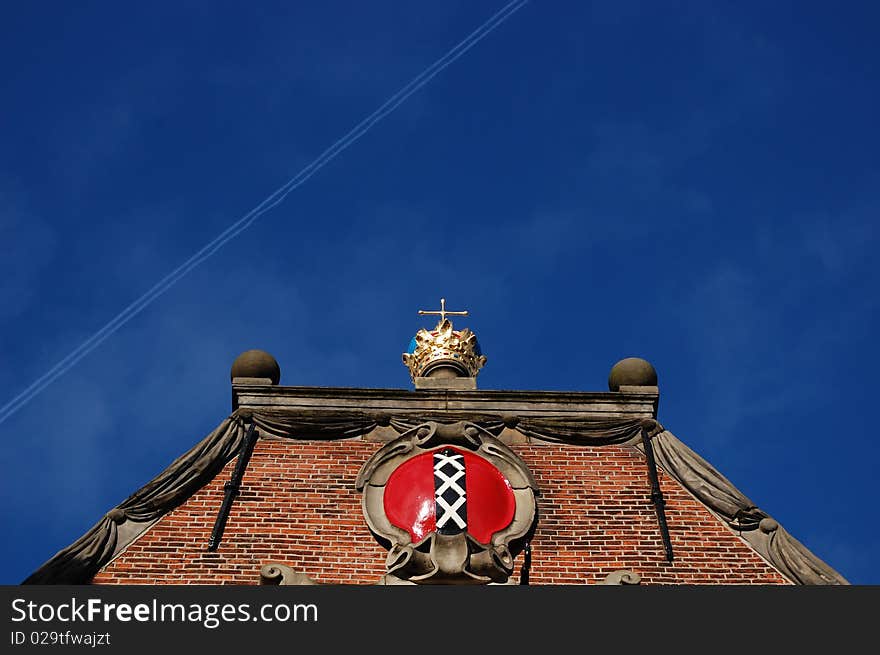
(444, 346)
(442, 313)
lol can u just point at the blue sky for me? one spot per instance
(694, 183)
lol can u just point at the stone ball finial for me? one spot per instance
(256, 364)
(632, 371)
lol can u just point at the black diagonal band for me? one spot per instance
(450, 492)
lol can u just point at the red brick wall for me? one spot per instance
(299, 507)
(596, 517)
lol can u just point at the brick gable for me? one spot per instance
(298, 506)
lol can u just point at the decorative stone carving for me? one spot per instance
(450, 502)
(768, 525)
(622, 577)
(281, 574)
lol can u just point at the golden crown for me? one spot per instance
(444, 346)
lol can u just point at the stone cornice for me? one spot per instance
(630, 402)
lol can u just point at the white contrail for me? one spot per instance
(267, 204)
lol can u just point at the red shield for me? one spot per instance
(414, 494)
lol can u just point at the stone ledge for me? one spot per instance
(252, 382)
(459, 384)
(641, 403)
(626, 388)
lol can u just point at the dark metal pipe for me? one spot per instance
(527, 564)
(232, 487)
(657, 494)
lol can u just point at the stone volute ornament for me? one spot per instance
(443, 351)
(451, 503)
